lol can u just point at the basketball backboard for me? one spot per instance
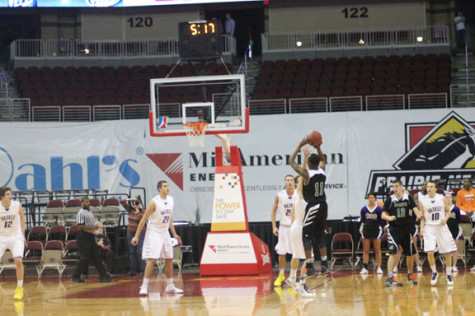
(217, 100)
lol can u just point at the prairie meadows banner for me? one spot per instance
(365, 152)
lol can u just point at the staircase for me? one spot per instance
(11, 107)
(462, 89)
(251, 69)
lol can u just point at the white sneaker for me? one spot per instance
(433, 280)
(472, 269)
(304, 292)
(171, 289)
(419, 269)
(454, 269)
(379, 271)
(143, 290)
(363, 271)
(291, 283)
(450, 281)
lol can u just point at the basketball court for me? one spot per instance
(341, 293)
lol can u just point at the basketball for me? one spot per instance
(314, 138)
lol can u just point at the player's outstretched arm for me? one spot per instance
(323, 161)
(148, 212)
(301, 171)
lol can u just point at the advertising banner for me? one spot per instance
(365, 151)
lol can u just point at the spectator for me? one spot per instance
(460, 27)
(229, 25)
(466, 199)
(135, 209)
(104, 248)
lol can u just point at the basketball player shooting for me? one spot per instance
(316, 212)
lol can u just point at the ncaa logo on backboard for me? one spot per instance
(443, 152)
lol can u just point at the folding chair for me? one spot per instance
(33, 253)
(177, 259)
(70, 253)
(53, 212)
(71, 210)
(51, 258)
(72, 232)
(95, 208)
(39, 233)
(110, 212)
(7, 261)
(58, 232)
(342, 248)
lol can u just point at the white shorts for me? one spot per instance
(157, 245)
(438, 237)
(283, 246)
(14, 244)
(296, 241)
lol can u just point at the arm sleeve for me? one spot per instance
(80, 218)
(362, 215)
(457, 214)
(459, 201)
(387, 205)
(380, 213)
(412, 203)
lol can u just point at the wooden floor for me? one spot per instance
(341, 293)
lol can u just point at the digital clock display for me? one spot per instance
(202, 28)
(199, 39)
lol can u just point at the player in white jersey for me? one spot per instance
(158, 243)
(12, 234)
(435, 231)
(284, 202)
(296, 240)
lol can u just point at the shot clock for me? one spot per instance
(199, 39)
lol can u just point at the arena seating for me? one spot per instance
(354, 76)
(103, 86)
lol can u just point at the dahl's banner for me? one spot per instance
(365, 151)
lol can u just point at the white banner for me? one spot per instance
(365, 151)
(232, 248)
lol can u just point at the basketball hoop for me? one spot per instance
(196, 133)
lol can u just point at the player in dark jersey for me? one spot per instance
(415, 237)
(398, 210)
(316, 212)
(371, 231)
(455, 229)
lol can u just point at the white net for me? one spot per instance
(196, 133)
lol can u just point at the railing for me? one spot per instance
(422, 36)
(256, 107)
(46, 113)
(427, 101)
(462, 95)
(3, 80)
(269, 106)
(351, 103)
(348, 103)
(75, 48)
(14, 109)
(385, 102)
(308, 105)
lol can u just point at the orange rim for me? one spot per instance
(198, 127)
